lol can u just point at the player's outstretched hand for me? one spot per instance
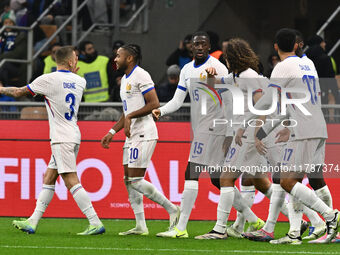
(260, 147)
(282, 136)
(238, 136)
(211, 80)
(211, 71)
(127, 125)
(226, 144)
(156, 113)
(105, 142)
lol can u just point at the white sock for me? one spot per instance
(284, 207)
(150, 191)
(277, 200)
(248, 194)
(269, 192)
(295, 208)
(189, 196)
(136, 202)
(84, 203)
(45, 197)
(309, 198)
(325, 195)
(223, 208)
(240, 205)
(313, 216)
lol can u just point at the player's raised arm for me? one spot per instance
(14, 91)
(105, 142)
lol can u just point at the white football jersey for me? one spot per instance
(132, 90)
(63, 91)
(295, 72)
(248, 79)
(193, 80)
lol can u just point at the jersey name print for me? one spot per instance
(63, 91)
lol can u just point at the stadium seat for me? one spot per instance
(33, 113)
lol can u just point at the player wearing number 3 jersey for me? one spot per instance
(63, 91)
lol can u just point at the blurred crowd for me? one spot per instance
(103, 78)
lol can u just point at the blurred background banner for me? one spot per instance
(25, 153)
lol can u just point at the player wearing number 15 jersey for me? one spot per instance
(62, 90)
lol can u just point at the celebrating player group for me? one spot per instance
(247, 144)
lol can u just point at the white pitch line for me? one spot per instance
(163, 250)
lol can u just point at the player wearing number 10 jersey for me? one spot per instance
(63, 91)
(139, 99)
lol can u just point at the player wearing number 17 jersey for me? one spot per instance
(310, 131)
(63, 91)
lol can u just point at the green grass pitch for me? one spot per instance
(57, 236)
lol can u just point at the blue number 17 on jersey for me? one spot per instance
(309, 80)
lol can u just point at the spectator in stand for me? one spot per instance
(273, 59)
(49, 62)
(182, 55)
(8, 44)
(98, 12)
(166, 90)
(95, 69)
(323, 64)
(7, 38)
(215, 50)
(115, 75)
(6, 9)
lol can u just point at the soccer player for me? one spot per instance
(243, 63)
(139, 99)
(309, 144)
(206, 148)
(63, 91)
(274, 149)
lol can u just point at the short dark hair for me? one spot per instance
(117, 44)
(135, 51)
(187, 38)
(315, 40)
(63, 54)
(285, 39)
(82, 45)
(200, 33)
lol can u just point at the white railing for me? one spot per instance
(30, 56)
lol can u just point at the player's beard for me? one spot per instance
(122, 67)
(201, 59)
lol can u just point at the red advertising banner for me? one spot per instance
(25, 153)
